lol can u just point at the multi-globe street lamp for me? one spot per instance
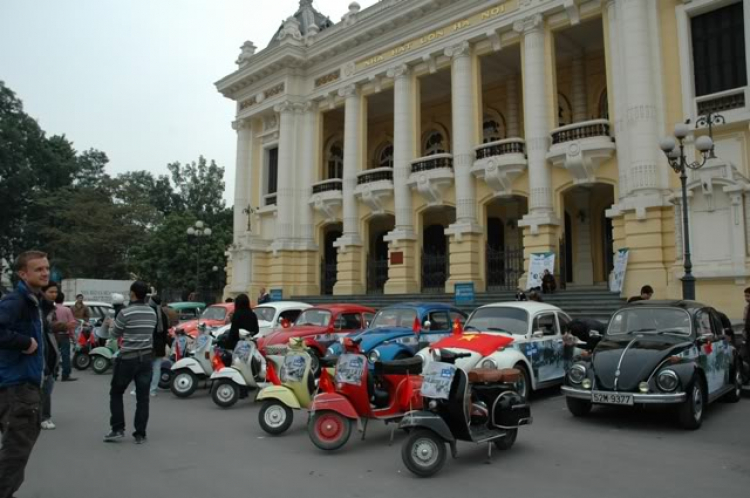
(198, 233)
(674, 148)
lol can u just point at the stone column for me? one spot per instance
(242, 183)
(580, 105)
(305, 282)
(617, 90)
(285, 201)
(511, 91)
(402, 277)
(350, 271)
(466, 236)
(540, 224)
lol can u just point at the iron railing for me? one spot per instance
(434, 272)
(500, 148)
(270, 200)
(432, 162)
(375, 175)
(377, 275)
(579, 131)
(328, 186)
(725, 101)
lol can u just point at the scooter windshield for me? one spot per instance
(293, 369)
(437, 380)
(350, 368)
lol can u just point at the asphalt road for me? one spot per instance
(198, 450)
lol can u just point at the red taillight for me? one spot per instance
(216, 362)
(285, 323)
(325, 384)
(271, 374)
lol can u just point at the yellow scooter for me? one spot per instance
(294, 392)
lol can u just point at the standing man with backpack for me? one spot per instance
(22, 359)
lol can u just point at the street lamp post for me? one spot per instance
(674, 148)
(198, 232)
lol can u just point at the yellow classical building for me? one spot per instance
(417, 144)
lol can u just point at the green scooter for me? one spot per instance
(103, 356)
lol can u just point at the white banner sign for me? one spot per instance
(618, 274)
(538, 263)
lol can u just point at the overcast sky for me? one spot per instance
(134, 78)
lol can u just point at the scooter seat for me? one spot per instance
(410, 366)
(494, 376)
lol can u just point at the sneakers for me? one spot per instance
(153, 394)
(114, 436)
(47, 425)
(140, 439)
(69, 379)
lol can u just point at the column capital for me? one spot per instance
(285, 107)
(531, 24)
(349, 91)
(241, 124)
(398, 71)
(462, 49)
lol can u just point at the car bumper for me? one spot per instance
(638, 398)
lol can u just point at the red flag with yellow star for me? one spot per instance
(484, 344)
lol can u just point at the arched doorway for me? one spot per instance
(504, 248)
(328, 263)
(377, 253)
(435, 253)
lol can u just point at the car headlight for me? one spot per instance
(489, 363)
(374, 356)
(667, 380)
(577, 373)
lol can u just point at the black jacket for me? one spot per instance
(160, 331)
(242, 319)
(51, 352)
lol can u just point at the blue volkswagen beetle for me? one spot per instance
(391, 334)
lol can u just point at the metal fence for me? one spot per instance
(504, 268)
(434, 273)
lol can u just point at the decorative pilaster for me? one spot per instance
(308, 153)
(511, 106)
(285, 193)
(578, 74)
(242, 185)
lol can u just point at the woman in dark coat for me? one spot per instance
(243, 318)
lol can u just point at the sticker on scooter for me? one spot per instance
(242, 351)
(350, 368)
(437, 380)
(293, 369)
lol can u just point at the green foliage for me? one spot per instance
(95, 226)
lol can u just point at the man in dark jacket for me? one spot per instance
(160, 341)
(22, 358)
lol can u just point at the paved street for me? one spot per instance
(196, 450)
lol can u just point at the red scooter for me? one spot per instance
(357, 395)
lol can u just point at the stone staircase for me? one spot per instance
(579, 302)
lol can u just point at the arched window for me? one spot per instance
(493, 126)
(335, 160)
(434, 143)
(384, 157)
(564, 110)
(604, 105)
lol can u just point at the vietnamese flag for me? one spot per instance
(416, 327)
(457, 327)
(484, 344)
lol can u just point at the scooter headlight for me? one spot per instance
(374, 356)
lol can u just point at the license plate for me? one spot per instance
(612, 398)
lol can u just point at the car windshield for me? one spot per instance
(265, 313)
(317, 318)
(402, 317)
(214, 313)
(499, 319)
(650, 321)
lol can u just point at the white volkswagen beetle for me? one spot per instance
(270, 317)
(537, 347)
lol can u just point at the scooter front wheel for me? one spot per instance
(424, 453)
(100, 364)
(275, 417)
(81, 361)
(329, 430)
(184, 383)
(165, 379)
(225, 393)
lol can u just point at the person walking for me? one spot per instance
(80, 310)
(243, 319)
(647, 292)
(64, 327)
(52, 356)
(22, 358)
(135, 325)
(160, 341)
(264, 297)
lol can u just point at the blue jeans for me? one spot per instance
(136, 370)
(156, 374)
(49, 384)
(64, 344)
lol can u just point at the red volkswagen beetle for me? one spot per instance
(319, 327)
(215, 315)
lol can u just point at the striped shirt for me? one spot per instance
(136, 324)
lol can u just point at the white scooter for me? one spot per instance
(248, 370)
(189, 372)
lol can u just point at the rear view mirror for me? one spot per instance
(537, 333)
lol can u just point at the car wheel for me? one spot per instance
(329, 430)
(225, 393)
(506, 442)
(165, 379)
(736, 393)
(424, 453)
(523, 386)
(81, 361)
(578, 407)
(275, 417)
(184, 383)
(100, 364)
(691, 410)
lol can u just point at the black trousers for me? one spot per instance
(136, 370)
(20, 408)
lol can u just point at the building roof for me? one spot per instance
(307, 16)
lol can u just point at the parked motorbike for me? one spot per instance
(481, 406)
(179, 349)
(85, 342)
(386, 394)
(195, 368)
(295, 390)
(246, 371)
(102, 357)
